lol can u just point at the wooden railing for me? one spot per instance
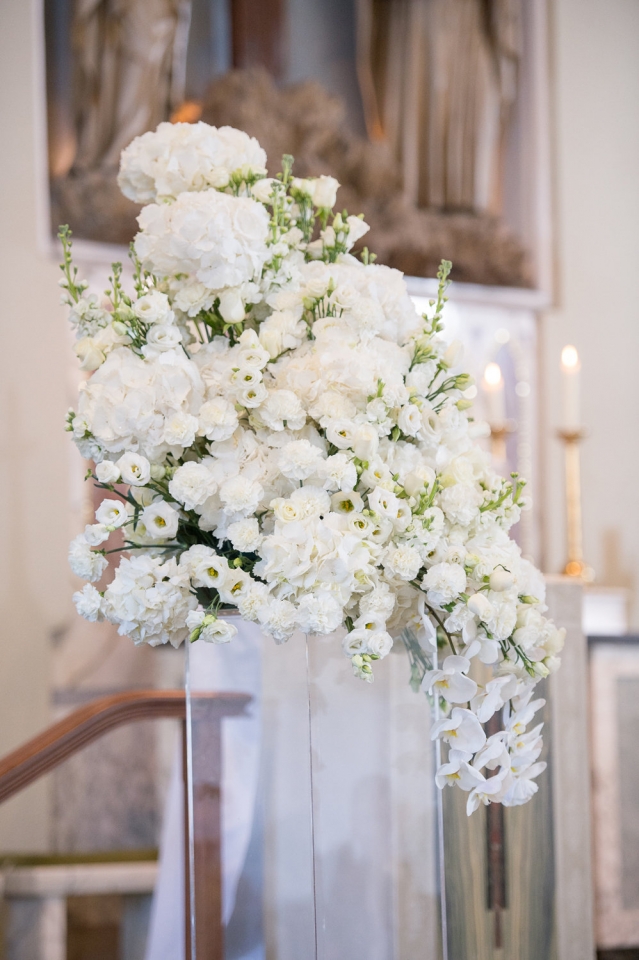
(50, 748)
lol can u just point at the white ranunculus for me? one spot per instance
(161, 520)
(192, 484)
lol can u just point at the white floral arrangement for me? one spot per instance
(279, 431)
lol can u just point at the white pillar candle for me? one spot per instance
(570, 401)
(493, 385)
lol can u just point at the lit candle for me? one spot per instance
(493, 384)
(570, 367)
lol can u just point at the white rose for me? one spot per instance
(192, 485)
(418, 480)
(154, 307)
(88, 603)
(325, 192)
(107, 472)
(161, 520)
(245, 535)
(218, 419)
(134, 469)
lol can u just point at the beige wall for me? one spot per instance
(595, 93)
(34, 594)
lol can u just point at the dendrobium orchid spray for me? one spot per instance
(277, 430)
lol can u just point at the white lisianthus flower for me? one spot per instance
(325, 192)
(232, 306)
(263, 189)
(379, 643)
(211, 571)
(299, 459)
(161, 337)
(154, 307)
(88, 603)
(134, 469)
(409, 420)
(205, 626)
(357, 228)
(96, 533)
(192, 484)
(160, 520)
(245, 535)
(84, 562)
(365, 441)
(107, 472)
(112, 513)
(444, 582)
(341, 433)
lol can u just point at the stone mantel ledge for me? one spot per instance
(85, 879)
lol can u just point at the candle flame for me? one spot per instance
(492, 374)
(569, 357)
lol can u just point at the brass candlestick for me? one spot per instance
(575, 565)
(499, 433)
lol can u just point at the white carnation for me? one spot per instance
(245, 535)
(84, 562)
(192, 484)
(88, 603)
(444, 582)
(299, 459)
(218, 419)
(282, 408)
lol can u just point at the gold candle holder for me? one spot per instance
(575, 564)
(499, 433)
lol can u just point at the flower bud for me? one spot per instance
(501, 579)
(325, 192)
(480, 606)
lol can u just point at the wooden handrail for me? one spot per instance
(59, 741)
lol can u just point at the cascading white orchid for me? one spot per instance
(279, 431)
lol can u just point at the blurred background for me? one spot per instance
(500, 134)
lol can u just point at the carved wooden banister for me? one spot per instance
(86, 724)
